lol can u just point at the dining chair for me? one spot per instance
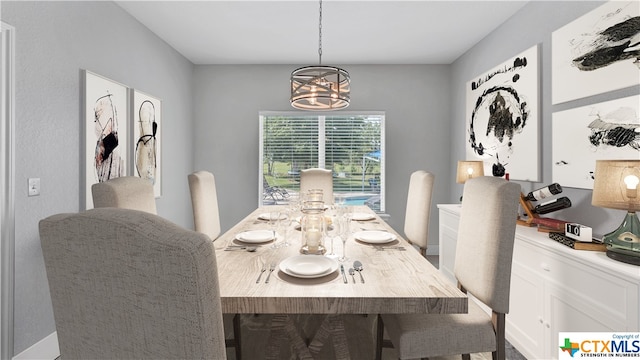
(316, 178)
(204, 201)
(416, 219)
(129, 192)
(482, 268)
(206, 219)
(127, 284)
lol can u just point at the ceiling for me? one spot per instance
(353, 32)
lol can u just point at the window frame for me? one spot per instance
(322, 143)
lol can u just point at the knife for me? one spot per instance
(344, 276)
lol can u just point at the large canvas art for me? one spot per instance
(502, 118)
(105, 138)
(606, 130)
(597, 52)
(147, 115)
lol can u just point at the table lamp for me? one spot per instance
(616, 187)
(468, 170)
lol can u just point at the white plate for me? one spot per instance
(267, 216)
(374, 236)
(358, 216)
(308, 266)
(255, 236)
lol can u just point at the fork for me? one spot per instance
(264, 268)
(271, 268)
(382, 248)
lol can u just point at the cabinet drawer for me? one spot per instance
(581, 282)
(449, 220)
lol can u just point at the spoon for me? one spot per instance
(351, 272)
(358, 266)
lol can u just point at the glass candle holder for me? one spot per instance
(313, 228)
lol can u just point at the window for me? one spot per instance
(350, 144)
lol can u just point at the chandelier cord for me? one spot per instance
(320, 36)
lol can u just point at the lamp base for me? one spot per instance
(623, 244)
(629, 259)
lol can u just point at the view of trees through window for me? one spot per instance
(352, 146)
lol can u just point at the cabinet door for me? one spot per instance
(448, 233)
(524, 328)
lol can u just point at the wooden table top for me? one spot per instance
(395, 281)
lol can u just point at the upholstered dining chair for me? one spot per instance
(206, 219)
(126, 284)
(129, 192)
(416, 219)
(482, 269)
(316, 178)
(204, 201)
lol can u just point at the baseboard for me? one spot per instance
(45, 349)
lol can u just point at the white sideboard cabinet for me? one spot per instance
(555, 288)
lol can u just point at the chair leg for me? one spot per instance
(236, 336)
(379, 337)
(498, 321)
(466, 357)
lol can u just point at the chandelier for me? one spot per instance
(320, 87)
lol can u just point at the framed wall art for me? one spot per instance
(147, 116)
(597, 52)
(106, 131)
(606, 130)
(502, 118)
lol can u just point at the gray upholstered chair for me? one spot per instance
(127, 284)
(129, 192)
(317, 178)
(204, 200)
(416, 219)
(482, 268)
(206, 219)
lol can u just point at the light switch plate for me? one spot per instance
(34, 186)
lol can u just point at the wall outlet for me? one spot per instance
(34, 186)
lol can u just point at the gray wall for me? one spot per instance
(533, 25)
(229, 98)
(54, 41)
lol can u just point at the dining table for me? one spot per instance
(394, 278)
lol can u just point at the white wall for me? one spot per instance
(533, 24)
(55, 40)
(414, 97)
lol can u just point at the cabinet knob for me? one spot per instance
(540, 320)
(545, 266)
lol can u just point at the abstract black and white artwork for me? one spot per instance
(597, 53)
(606, 130)
(147, 115)
(105, 123)
(502, 118)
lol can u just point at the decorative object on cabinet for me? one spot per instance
(555, 288)
(575, 244)
(105, 131)
(533, 212)
(469, 170)
(502, 117)
(320, 87)
(582, 135)
(147, 121)
(591, 54)
(616, 187)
